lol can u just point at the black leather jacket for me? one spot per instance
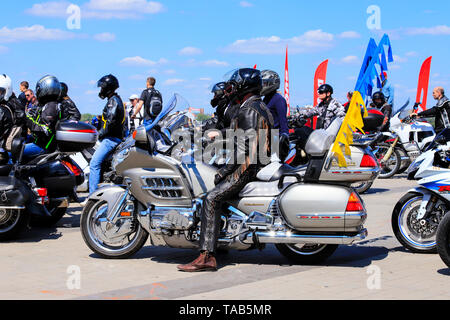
(69, 110)
(6, 124)
(42, 124)
(387, 111)
(113, 119)
(442, 106)
(19, 112)
(252, 116)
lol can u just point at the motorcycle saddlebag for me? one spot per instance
(13, 192)
(75, 136)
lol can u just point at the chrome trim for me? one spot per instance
(163, 188)
(286, 238)
(13, 208)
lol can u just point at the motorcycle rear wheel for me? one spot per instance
(443, 240)
(307, 254)
(362, 187)
(12, 222)
(391, 167)
(91, 214)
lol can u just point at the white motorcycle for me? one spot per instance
(417, 215)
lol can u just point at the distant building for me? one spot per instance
(197, 110)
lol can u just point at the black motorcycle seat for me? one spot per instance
(5, 169)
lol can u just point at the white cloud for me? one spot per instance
(3, 49)
(33, 33)
(99, 9)
(205, 79)
(310, 41)
(105, 37)
(399, 59)
(170, 71)
(412, 54)
(246, 4)
(138, 61)
(171, 82)
(189, 51)
(349, 60)
(215, 63)
(350, 35)
(435, 31)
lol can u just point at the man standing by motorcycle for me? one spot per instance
(252, 118)
(440, 112)
(42, 121)
(112, 128)
(152, 101)
(379, 102)
(277, 105)
(69, 111)
(6, 115)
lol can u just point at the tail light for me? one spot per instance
(72, 168)
(42, 192)
(354, 204)
(134, 134)
(368, 162)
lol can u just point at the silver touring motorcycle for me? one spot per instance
(307, 212)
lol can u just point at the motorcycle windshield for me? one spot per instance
(177, 104)
(404, 111)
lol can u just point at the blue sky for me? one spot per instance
(189, 45)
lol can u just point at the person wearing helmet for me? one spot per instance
(328, 109)
(379, 102)
(111, 129)
(252, 117)
(278, 107)
(68, 108)
(42, 121)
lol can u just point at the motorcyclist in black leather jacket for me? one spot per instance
(111, 128)
(379, 102)
(255, 120)
(42, 121)
(68, 108)
(6, 115)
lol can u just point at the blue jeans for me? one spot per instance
(31, 151)
(104, 150)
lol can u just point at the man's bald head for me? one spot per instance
(438, 93)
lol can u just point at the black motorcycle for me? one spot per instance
(38, 191)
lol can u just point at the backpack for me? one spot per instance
(16, 131)
(153, 103)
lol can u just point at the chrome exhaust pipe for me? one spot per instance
(290, 238)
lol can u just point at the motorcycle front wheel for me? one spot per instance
(307, 254)
(418, 236)
(443, 240)
(110, 241)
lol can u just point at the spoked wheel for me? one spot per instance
(12, 221)
(416, 235)
(307, 253)
(443, 240)
(111, 241)
(390, 167)
(362, 187)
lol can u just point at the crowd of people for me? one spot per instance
(249, 100)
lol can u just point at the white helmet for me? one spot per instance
(5, 87)
(133, 97)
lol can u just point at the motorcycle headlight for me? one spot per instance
(119, 157)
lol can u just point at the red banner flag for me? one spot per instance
(422, 87)
(286, 84)
(320, 78)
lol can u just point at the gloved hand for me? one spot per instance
(218, 179)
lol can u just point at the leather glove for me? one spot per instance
(218, 179)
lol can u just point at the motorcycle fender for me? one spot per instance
(113, 195)
(425, 191)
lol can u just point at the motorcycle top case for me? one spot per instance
(74, 136)
(373, 121)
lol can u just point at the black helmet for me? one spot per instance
(325, 88)
(48, 89)
(379, 96)
(64, 90)
(108, 85)
(245, 81)
(219, 94)
(270, 82)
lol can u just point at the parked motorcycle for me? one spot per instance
(38, 191)
(443, 240)
(162, 197)
(417, 215)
